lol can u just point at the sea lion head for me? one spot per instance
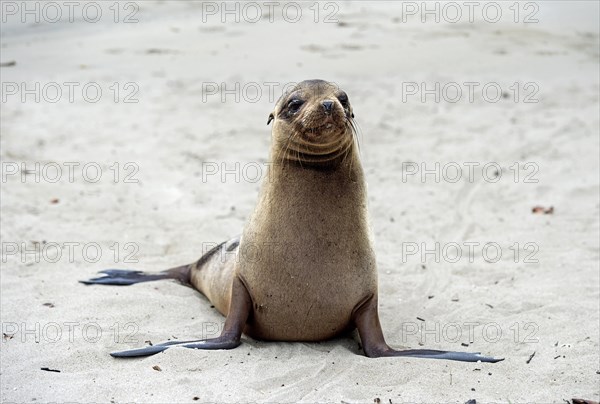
(313, 124)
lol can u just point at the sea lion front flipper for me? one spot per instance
(238, 314)
(366, 319)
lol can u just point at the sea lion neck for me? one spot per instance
(342, 179)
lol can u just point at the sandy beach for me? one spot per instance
(133, 135)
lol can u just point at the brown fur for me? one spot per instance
(304, 269)
(305, 255)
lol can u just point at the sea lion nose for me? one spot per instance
(327, 105)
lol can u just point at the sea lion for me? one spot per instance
(304, 268)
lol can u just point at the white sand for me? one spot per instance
(550, 307)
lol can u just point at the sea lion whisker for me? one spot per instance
(354, 129)
(295, 154)
(286, 147)
(336, 141)
(298, 158)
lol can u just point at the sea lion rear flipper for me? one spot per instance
(239, 311)
(366, 320)
(119, 277)
(123, 277)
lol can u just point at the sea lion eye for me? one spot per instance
(294, 105)
(343, 98)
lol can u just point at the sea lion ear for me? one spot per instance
(353, 115)
(271, 117)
